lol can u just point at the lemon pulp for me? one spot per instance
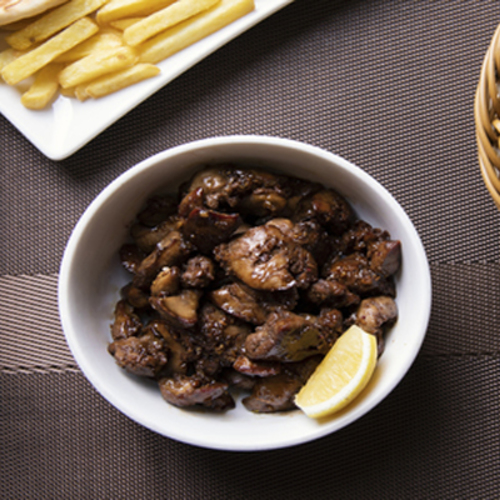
(341, 375)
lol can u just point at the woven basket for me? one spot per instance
(487, 118)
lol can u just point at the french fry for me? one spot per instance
(29, 63)
(163, 19)
(53, 22)
(6, 57)
(43, 89)
(9, 55)
(123, 24)
(66, 51)
(99, 41)
(97, 64)
(113, 82)
(190, 31)
(69, 92)
(81, 92)
(119, 9)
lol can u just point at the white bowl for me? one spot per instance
(91, 277)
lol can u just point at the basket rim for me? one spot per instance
(486, 111)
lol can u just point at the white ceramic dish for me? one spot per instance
(67, 125)
(91, 276)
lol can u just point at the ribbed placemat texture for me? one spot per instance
(388, 84)
(31, 336)
(414, 445)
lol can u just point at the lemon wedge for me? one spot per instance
(341, 375)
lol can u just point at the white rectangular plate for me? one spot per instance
(67, 125)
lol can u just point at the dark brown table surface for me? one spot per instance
(389, 85)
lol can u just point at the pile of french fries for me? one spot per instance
(92, 48)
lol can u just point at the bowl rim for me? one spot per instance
(72, 244)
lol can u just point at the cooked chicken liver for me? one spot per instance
(244, 281)
(264, 259)
(287, 337)
(144, 356)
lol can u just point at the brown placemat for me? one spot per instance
(390, 86)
